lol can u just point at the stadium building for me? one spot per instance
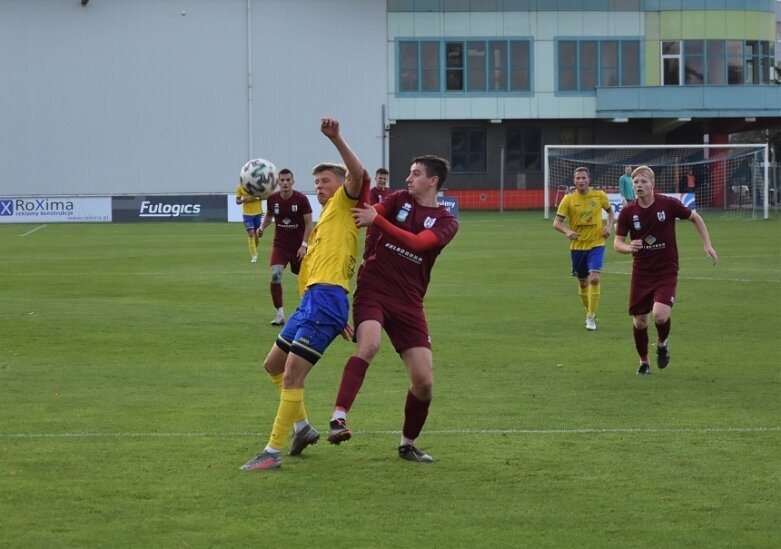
(181, 94)
(474, 79)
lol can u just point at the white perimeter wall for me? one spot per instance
(129, 97)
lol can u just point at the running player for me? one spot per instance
(586, 232)
(252, 212)
(650, 223)
(292, 217)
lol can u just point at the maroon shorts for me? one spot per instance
(404, 323)
(283, 256)
(645, 291)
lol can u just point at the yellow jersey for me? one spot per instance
(253, 207)
(584, 216)
(333, 246)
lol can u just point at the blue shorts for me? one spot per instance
(586, 261)
(319, 318)
(252, 222)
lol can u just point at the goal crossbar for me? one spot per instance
(706, 149)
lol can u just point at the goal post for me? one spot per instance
(729, 178)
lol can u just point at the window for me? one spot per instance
(523, 147)
(608, 63)
(454, 75)
(408, 66)
(734, 62)
(497, 66)
(716, 62)
(767, 59)
(474, 66)
(759, 62)
(630, 63)
(671, 63)
(430, 65)
(519, 66)
(716, 66)
(468, 150)
(476, 58)
(752, 62)
(583, 65)
(418, 66)
(576, 136)
(568, 66)
(694, 62)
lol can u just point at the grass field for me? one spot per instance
(131, 390)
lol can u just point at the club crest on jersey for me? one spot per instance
(660, 216)
(295, 207)
(276, 208)
(429, 222)
(403, 213)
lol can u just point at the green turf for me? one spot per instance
(131, 391)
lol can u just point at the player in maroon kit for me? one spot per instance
(650, 223)
(389, 295)
(376, 195)
(292, 216)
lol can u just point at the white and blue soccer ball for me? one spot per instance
(259, 178)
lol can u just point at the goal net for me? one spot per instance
(732, 179)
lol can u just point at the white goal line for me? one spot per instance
(233, 434)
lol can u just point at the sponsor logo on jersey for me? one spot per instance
(403, 213)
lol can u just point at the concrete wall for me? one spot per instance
(147, 96)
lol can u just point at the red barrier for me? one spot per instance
(485, 199)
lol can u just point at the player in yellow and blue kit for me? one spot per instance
(324, 281)
(252, 212)
(586, 231)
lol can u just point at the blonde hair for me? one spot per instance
(646, 171)
(338, 170)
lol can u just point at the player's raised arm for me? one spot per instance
(330, 128)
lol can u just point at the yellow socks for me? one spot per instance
(594, 293)
(583, 292)
(277, 381)
(252, 243)
(291, 401)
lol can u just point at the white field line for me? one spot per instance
(32, 231)
(233, 434)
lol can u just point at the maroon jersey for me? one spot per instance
(378, 195)
(373, 233)
(655, 226)
(395, 271)
(289, 219)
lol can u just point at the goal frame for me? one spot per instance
(765, 161)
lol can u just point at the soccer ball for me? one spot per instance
(259, 178)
